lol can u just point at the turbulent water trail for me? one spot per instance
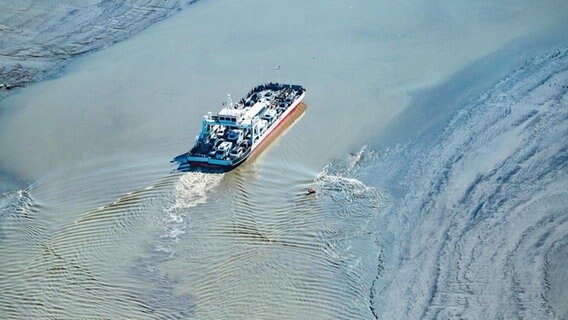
(196, 245)
(477, 225)
(242, 256)
(189, 191)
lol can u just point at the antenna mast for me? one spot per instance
(229, 101)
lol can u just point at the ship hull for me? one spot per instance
(188, 163)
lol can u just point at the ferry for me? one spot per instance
(232, 136)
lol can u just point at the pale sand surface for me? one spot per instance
(37, 38)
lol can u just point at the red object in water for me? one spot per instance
(311, 191)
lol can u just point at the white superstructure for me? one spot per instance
(228, 138)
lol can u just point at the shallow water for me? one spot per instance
(106, 230)
(477, 222)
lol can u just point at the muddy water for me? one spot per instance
(106, 230)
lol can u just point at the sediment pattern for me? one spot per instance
(478, 223)
(37, 38)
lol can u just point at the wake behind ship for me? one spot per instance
(230, 137)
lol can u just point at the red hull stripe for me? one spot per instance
(283, 120)
(275, 128)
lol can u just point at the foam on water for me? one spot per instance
(295, 254)
(337, 181)
(189, 191)
(352, 237)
